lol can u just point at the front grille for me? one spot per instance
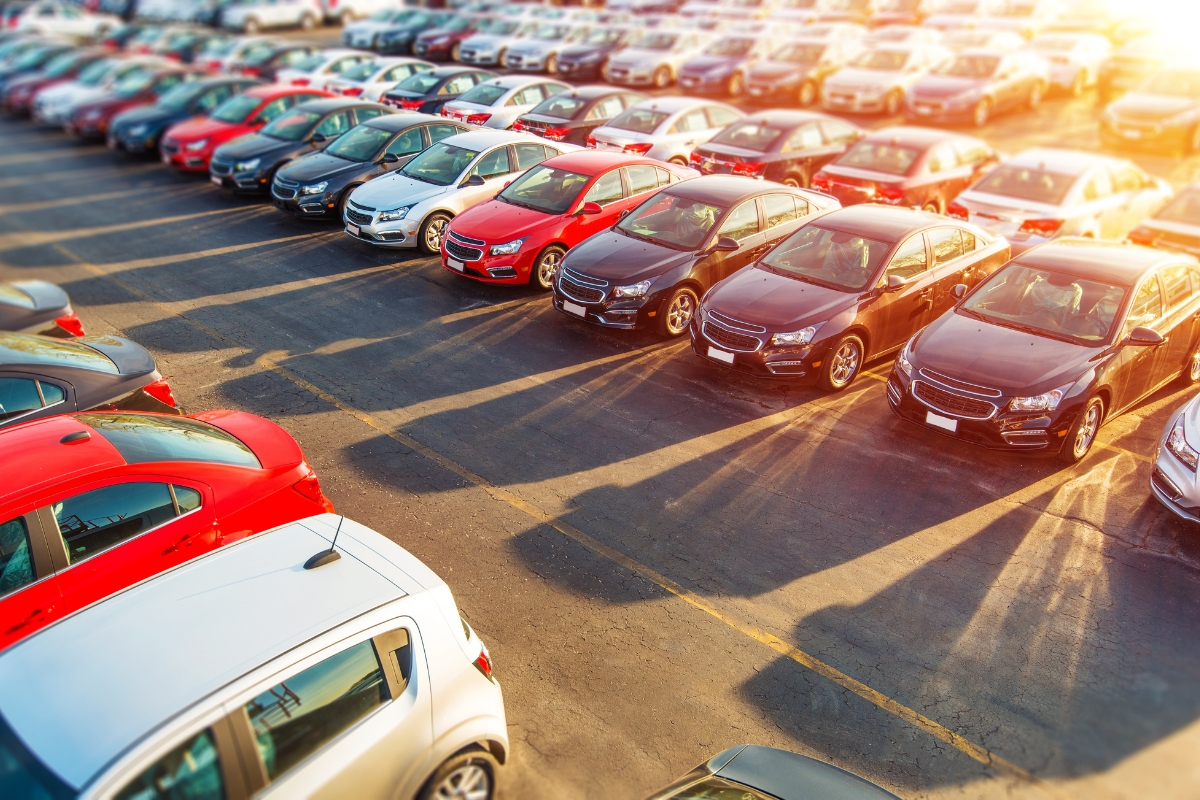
(585, 280)
(730, 340)
(220, 167)
(357, 218)
(462, 253)
(284, 189)
(170, 148)
(736, 324)
(954, 383)
(575, 291)
(467, 239)
(950, 403)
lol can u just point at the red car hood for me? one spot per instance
(497, 222)
(198, 128)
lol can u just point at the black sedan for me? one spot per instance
(41, 376)
(798, 69)
(318, 184)
(847, 287)
(778, 145)
(428, 91)
(652, 267)
(1065, 337)
(586, 59)
(140, 129)
(37, 307)
(572, 116)
(247, 164)
(397, 38)
(1162, 112)
(1175, 227)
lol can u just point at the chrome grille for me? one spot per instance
(736, 324)
(731, 340)
(954, 383)
(467, 239)
(951, 403)
(462, 253)
(357, 218)
(584, 280)
(283, 191)
(170, 148)
(220, 167)
(575, 291)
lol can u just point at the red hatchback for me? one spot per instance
(189, 145)
(522, 234)
(93, 503)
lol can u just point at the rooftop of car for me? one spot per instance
(723, 190)
(399, 122)
(213, 620)
(1114, 262)
(592, 162)
(880, 222)
(912, 136)
(514, 81)
(784, 117)
(594, 91)
(1062, 161)
(28, 349)
(327, 104)
(483, 139)
(450, 72)
(670, 105)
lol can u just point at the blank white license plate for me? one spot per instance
(756, 90)
(578, 311)
(215, 180)
(458, 265)
(720, 355)
(353, 230)
(938, 421)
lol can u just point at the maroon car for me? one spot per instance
(91, 120)
(907, 166)
(850, 285)
(441, 44)
(18, 95)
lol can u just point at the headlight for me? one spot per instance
(795, 338)
(902, 362)
(638, 289)
(246, 166)
(508, 248)
(394, 214)
(137, 131)
(1042, 402)
(316, 188)
(1177, 445)
(200, 144)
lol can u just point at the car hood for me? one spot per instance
(992, 355)
(496, 221)
(149, 115)
(1137, 105)
(255, 145)
(201, 128)
(395, 190)
(777, 71)
(946, 85)
(702, 64)
(855, 78)
(776, 302)
(485, 40)
(320, 166)
(620, 259)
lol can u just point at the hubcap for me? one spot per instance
(679, 315)
(845, 364)
(546, 269)
(1087, 430)
(433, 234)
(468, 782)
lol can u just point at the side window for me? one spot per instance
(1127, 179)
(398, 73)
(1098, 187)
(406, 143)
(806, 138)
(742, 222)
(529, 155)
(94, 521)
(971, 153)
(943, 158)
(606, 190)
(969, 242)
(274, 109)
(606, 109)
(439, 132)
(664, 177)
(212, 99)
(779, 209)
(493, 165)
(946, 244)
(364, 114)
(19, 396)
(642, 178)
(1175, 283)
(1146, 306)
(909, 260)
(694, 120)
(458, 85)
(16, 563)
(719, 117)
(838, 132)
(191, 770)
(168, 82)
(530, 96)
(294, 719)
(335, 125)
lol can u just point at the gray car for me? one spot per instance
(666, 128)
(37, 307)
(489, 46)
(654, 57)
(1174, 479)
(539, 51)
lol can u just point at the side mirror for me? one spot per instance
(591, 208)
(317, 138)
(389, 158)
(895, 283)
(474, 180)
(725, 244)
(958, 290)
(1144, 337)
(623, 214)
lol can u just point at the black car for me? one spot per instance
(247, 164)
(41, 376)
(777, 145)
(263, 62)
(1063, 338)
(140, 129)
(652, 267)
(1130, 65)
(428, 91)
(1175, 227)
(1162, 112)
(586, 60)
(571, 116)
(397, 39)
(318, 184)
(797, 70)
(37, 307)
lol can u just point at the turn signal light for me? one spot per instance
(160, 390)
(478, 119)
(891, 194)
(591, 141)
(1041, 227)
(958, 211)
(750, 169)
(556, 134)
(299, 81)
(70, 323)
(309, 488)
(352, 91)
(638, 148)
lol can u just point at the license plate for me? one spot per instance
(458, 265)
(578, 311)
(938, 421)
(215, 180)
(720, 355)
(1131, 133)
(756, 90)
(923, 109)
(353, 230)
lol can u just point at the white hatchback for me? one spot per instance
(245, 673)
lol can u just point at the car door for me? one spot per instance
(782, 215)
(24, 397)
(495, 167)
(1132, 371)
(690, 129)
(804, 147)
(609, 192)
(1011, 82)
(29, 591)
(601, 113)
(744, 226)
(406, 145)
(332, 127)
(950, 265)
(1179, 324)
(898, 315)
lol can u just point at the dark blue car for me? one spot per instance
(721, 67)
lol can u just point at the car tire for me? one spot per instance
(340, 210)
(251, 26)
(1036, 93)
(551, 66)
(662, 77)
(464, 775)
(737, 85)
(1194, 140)
(981, 113)
(933, 206)
(1082, 434)
(429, 236)
(807, 94)
(308, 22)
(683, 162)
(545, 267)
(676, 312)
(891, 103)
(842, 364)
(797, 180)
(1191, 372)
(455, 49)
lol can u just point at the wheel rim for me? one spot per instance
(468, 782)
(433, 234)
(932, 208)
(679, 314)
(1087, 430)
(547, 267)
(735, 84)
(552, 65)
(1194, 372)
(807, 94)
(844, 365)
(661, 78)
(790, 181)
(981, 113)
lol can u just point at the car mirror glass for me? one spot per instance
(726, 244)
(895, 283)
(1144, 337)
(959, 290)
(317, 138)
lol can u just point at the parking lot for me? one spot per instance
(667, 559)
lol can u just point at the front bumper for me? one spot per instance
(622, 314)
(471, 260)
(705, 84)
(477, 59)
(361, 223)
(1141, 133)
(853, 103)
(175, 155)
(313, 206)
(393, 46)
(525, 62)
(568, 71)
(918, 111)
(732, 349)
(147, 143)
(629, 76)
(423, 50)
(1172, 482)
(246, 182)
(91, 128)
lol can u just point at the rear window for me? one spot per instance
(1025, 183)
(22, 348)
(880, 157)
(639, 120)
(142, 438)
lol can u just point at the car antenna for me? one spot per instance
(326, 556)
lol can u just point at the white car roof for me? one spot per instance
(80, 692)
(1060, 160)
(518, 81)
(484, 139)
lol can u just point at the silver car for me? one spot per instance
(539, 51)
(1174, 479)
(488, 46)
(370, 79)
(875, 81)
(654, 57)
(497, 103)
(1044, 193)
(1075, 58)
(666, 128)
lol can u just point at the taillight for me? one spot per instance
(446, 112)
(591, 141)
(638, 148)
(556, 134)
(518, 126)
(1041, 227)
(299, 81)
(412, 105)
(751, 169)
(478, 119)
(820, 182)
(1143, 236)
(309, 488)
(253, 72)
(694, 159)
(160, 390)
(958, 211)
(70, 323)
(352, 91)
(891, 194)
(484, 664)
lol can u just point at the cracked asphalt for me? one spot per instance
(639, 537)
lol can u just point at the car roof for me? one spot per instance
(272, 90)
(673, 104)
(242, 606)
(911, 135)
(449, 72)
(399, 122)
(722, 189)
(595, 90)
(1060, 160)
(35, 455)
(326, 104)
(514, 81)
(784, 117)
(483, 139)
(880, 222)
(593, 162)
(1115, 262)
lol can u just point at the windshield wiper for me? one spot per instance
(1021, 326)
(416, 177)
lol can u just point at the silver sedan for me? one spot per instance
(1174, 479)
(497, 103)
(666, 128)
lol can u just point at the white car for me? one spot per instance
(412, 206)
(347, 11)
(976, 39)
(875, 81)
(255, 672)
(322, 66)
(370, 79)
(363, 32)
(538, 52)
(55, 18)
(488, 46)
(1075, 58)
(497, 103)
(252, 16)
(56, 104)
(654, 57)
(961, 14)
(798, 11)
(666, 128)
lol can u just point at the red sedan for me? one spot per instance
(142, 88)
(522, 234)
(93, 503)
(189, 145)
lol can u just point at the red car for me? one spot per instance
(144, 87)
(907, 166)
(189, 145)
(20, 91)
(522, 234)
(93, 503)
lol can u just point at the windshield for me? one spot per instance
(799, 3)
(1184, 208)
(484, 94)
(310, 63)
(887, 60)
(456, 25)
(236, 109)
(440, 165)
(23, 348)
(1025, 183)
(93, 74)
(973, 66)
(23, 774)
(899, 5)
(655, 41)
(1058, 304)
(258, 52)
(560, 107)
(135, 84)
(639, 120)
(361, 71)
(674, 221)
(800, 53)
(545, 189)
(750, 135)
(848, 5)
(59, 65)
(181, 96)
(730, 47)
(293, 125)
(34, 58)
(502, 27)
(359, 144)
(217, 48)
(1174, 83)
(831, 258)
(420, 83)
(880, 157)
(140, 439)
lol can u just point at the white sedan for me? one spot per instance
(370, 79)
(1075, 58)
(497, 103)
(412, 206)
(65, 19)
(666, 128)
(322, 66)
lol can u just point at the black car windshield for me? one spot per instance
(730, 47)
(181, 96)
(886, 60)
(1027, 183)
(484, 94)
(24, 348)
(1174, 83)
(310, 63)
(24, 775)
(361, 71)
(750, 135)
(970, 66)
(292, 126)
(800, 53)
(420, 83)
(828, 257)
(559, 106)
(639, 120)
(1184, 208)
(440, 164)
(677, 222)
(655, 40)
(1061, 305)
(146, 438)
(893, 159)
(359, 144)
(94, 73)
(545, 189)
(236, 108)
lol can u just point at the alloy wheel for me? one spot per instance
(433, 234)
(1087, 430)
(845, 364)
(679, 313)
(552, 64)
(547, 267)
(808, 93)
(737, 84)
(468, 782)
(1194, 370)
